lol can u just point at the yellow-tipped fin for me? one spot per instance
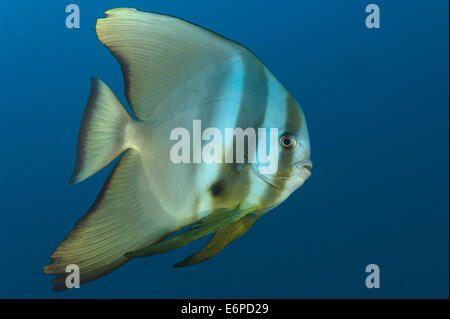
(222, 238)
(217, 219)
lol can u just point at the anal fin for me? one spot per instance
(125, 216)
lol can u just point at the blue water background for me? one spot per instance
(377, 106)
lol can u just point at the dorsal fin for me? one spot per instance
(158, 53)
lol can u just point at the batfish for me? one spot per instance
(177, 75)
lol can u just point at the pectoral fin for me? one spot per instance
(220, 240)
(209, 224)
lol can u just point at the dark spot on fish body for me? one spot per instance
(217, 188)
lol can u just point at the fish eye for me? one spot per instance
(288, 141)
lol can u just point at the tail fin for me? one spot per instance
(102, 132)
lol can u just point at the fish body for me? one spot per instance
(177, 75)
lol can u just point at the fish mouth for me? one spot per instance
(303, 172)
(304, 164)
